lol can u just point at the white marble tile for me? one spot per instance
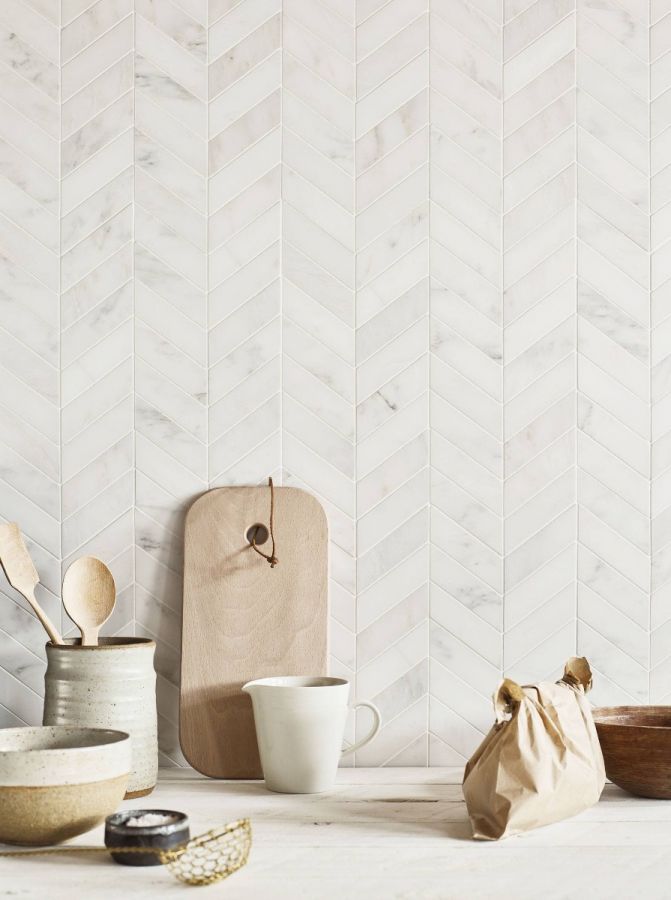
(83, 334)
(317, 94)
(432, 287)
(107, 239)
(302, 194)
(247, 282)
(466, 94)
(164, 205)
(327, 26)
(466, 131)
(161, 127)
(91, 24)
(170, 171)
(98, 94)
(553, 44)
(32, 28)
(625, 406)
(180, 64)
(531, 23)
(391, 131)
(301, 307)
(165, 243)
(109, 162)
(243, 57)
(539, 130)
(465, 55)
(31, 215)
(374, 450)
(161, 318)
(400, 238)
(249, 128)
(318, 131)
(28, 138)
(95, 59)
(172, 21)
(470, 22)
(247, 91)
(97, 133)
(172, 97)
(447, 650)
(394, 471)
(31, 101)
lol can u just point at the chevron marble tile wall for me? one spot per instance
(409, 255)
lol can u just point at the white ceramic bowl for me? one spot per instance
(58, 781)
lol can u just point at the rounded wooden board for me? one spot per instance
(243, 619)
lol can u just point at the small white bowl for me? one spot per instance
(59, 781)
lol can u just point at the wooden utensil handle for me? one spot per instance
(49, 627)
(89, 635)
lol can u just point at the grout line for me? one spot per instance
(133, 336)
(428, 401)
(281, 284)
(208, 374)
(576, 467)
(502, 215)
(355, 319)
(60, 306)
(650, 367)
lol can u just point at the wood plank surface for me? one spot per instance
(382, 834)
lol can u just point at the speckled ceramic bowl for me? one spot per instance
(59, 781)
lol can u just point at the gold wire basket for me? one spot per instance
(212, 856)
(205, 859)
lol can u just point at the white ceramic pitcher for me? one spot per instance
(300, 723)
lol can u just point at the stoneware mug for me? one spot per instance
(300, 724)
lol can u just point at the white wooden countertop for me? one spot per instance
(381, 833)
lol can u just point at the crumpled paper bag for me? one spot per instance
(541, 761)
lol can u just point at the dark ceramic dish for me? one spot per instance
(157, 837)
(636, 745)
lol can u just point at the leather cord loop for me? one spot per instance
(269, 557)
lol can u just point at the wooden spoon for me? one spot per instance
(22, 574)
(89, 595)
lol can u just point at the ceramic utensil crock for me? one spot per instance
(300, 723)
(112, 685)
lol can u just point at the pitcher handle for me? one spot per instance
(372, 733)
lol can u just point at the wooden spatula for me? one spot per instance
(22, 574)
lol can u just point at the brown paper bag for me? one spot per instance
(541, 761)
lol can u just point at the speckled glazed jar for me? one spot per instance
(112, 685)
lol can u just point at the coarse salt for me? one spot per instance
(148, 820)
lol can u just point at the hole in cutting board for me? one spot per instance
(257, 533)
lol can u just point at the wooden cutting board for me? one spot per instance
(243, 619)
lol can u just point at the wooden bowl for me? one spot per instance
(636, 744)
(59, 781)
